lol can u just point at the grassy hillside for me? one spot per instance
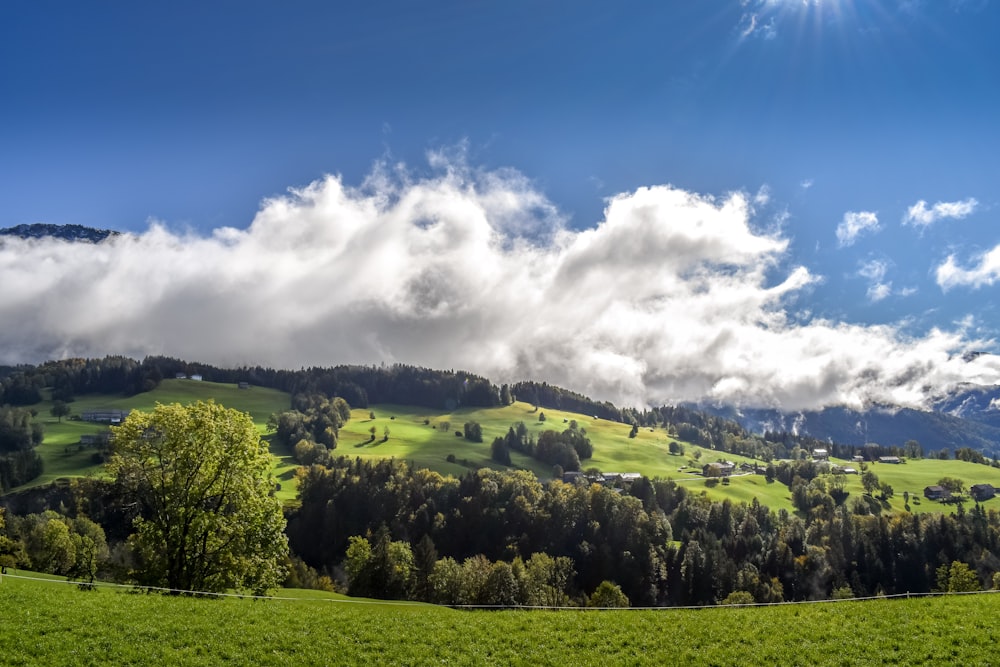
(429, 444)
(427, 439)
(52, 624)
(64, 459)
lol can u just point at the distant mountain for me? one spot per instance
(963, 419)
(65, 232)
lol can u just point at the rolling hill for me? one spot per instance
(426, 438)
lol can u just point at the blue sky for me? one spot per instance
(832, 119)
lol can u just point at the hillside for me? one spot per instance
(426, 438)
(51, 624)
(64, 457)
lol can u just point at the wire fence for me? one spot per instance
(494, 607)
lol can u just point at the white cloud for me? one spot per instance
(673, 296)
(806, 184)
(854, 224)
(874, 271)
(984, 272)
(878, 291)
(919, 215)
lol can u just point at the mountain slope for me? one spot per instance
(77, 233)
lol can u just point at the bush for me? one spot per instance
(739, 597)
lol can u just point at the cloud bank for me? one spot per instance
(673, 296)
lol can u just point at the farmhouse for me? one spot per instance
(981, 492)
(889, 459)
(857, 458)
(936, 492)
(821, 454)
(719, 469)
(243, 385)
(104, 416)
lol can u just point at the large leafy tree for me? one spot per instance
(207, 519)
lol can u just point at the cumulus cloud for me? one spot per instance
(984, 272)
(855, 223)
(673, 296)
(874, 272)
(919, 215)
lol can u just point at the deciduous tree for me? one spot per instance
(199, 478)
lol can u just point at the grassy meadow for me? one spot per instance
(63, 458)
(56, 624)
(426, 438)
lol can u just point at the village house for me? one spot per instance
(889, 459)
(936, 493)
(719, 469)
(821, 454)
(981, 492)
(104, 416)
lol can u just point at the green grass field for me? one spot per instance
(63, 458)
(46, 623)
(429, 444)
(419, 436)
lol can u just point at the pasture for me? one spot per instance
(56, 624)
(426, 439)
(64, 458)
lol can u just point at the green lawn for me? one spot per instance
(46, 623)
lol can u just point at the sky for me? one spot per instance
(769, 203)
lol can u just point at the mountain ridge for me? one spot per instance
(71, 232)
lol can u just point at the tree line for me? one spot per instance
(659, 542)
(19, 435)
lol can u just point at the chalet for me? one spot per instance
(104, 416)
(821, 454)
(180, 376)
(719, 469)
(844, 470)
(981, 492)
(857, 458)
(196, 378)
(889, 459)
(936, 493)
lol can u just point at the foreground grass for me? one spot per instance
(51, 624)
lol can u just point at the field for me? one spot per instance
(426, 438)
(63, 458)
(55, 624)
(420, 435)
